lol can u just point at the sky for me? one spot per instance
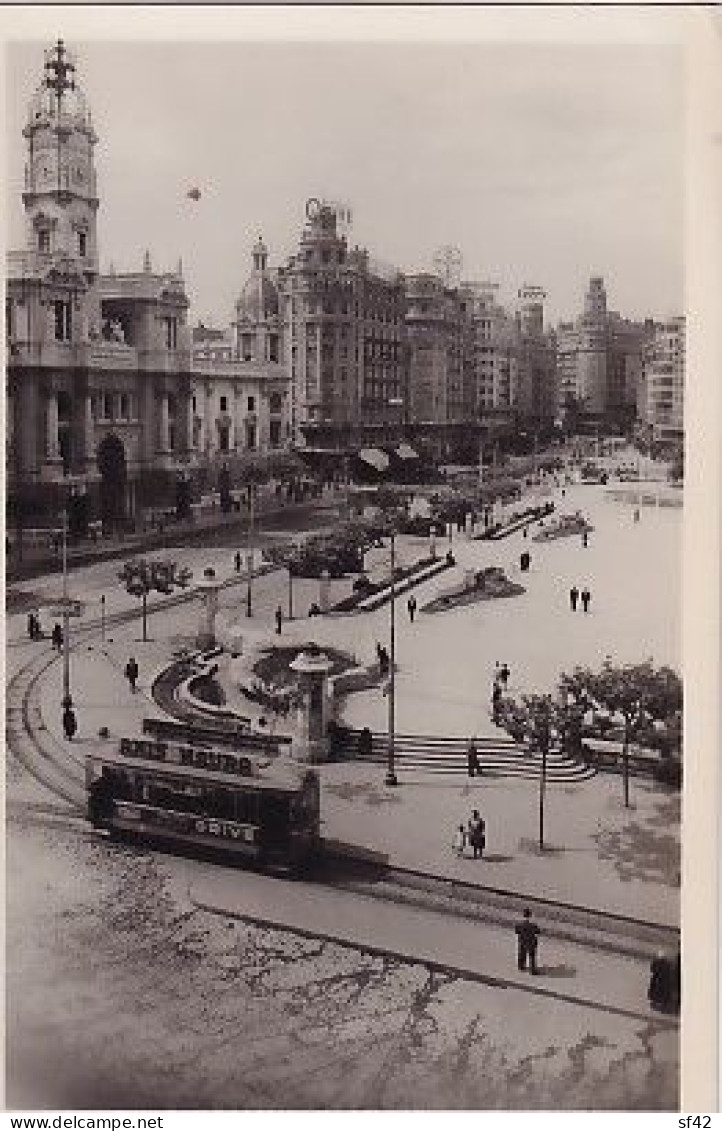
(544, 163)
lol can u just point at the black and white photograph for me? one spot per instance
(346, 451)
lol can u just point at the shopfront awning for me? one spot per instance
(374, 458)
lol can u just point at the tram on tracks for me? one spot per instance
(255, 809)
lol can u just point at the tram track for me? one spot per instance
(60, 772)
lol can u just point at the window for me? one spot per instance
(273, 347)
(250, 435)
(193, 403)
(251, 404)
(44, 241)
(223, 437)
(107, 406)
(276, 401)
(171, 333)
(247, 347)
(63, 325)
(224, 404)
(9, 319)
(82, 244)
(274, 434)
(124, 407)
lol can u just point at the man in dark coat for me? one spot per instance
(131, 672)
(527, 936)
(70, 723)
(57, 638)
(472, 756)
(573, 598)
(279, 620)
(586, 598)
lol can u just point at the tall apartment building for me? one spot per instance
(661, 394)
(438, 344)
(343, 338)
(599, 363)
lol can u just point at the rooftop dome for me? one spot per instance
(258, 301)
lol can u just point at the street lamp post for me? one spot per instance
(67, 699)
(543, 735)
(391, 778)
(102, 617)
(249, 606)
(290, 591)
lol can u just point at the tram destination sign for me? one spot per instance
(177, 754)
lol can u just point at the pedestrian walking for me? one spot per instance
(573, 598)
(526, 532)
(33, 626)
(70, 723)
(57, 637)
(586, 598)
(131, 673)
(279, 620)
(585, 539)
(459, 842)
(496, 696)
(504, 675)
(237, 561)
(527, 934)
(472, 758)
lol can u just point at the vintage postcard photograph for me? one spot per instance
(346, 373)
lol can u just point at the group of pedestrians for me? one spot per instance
(473, 835)
(576, 597)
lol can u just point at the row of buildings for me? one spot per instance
(112, 396)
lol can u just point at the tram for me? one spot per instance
(258, 809)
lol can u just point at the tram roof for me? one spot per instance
(286, 776)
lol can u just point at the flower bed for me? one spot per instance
(515, 522)
(486, 585)
(404, 579)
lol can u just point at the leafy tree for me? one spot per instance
(540, 722)
(142, 576)
(639, 694)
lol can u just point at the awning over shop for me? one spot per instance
(405, 451)
(374, 458)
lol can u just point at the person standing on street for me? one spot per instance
(573, 598)
(476, 836)
(411, 607)
(57, 638)
(131, 673)
(504, 675)
(586, 598)
(472, 757)
(527, 935)
(70, 723)
(237, 561)
(279, 619)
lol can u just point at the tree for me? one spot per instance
(639, 694)
(142, 576)
(538, 720)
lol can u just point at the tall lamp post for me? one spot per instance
(249, 605)
(391, 778)
(543, 731)
(67, 698)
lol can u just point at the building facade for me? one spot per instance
(111, 402)
(661, 393)
(98, 371)
(343, 338)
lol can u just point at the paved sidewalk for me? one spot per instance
(475, 950)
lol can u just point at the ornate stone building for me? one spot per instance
(98, 367)
(240, 397)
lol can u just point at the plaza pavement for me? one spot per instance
(598, 854)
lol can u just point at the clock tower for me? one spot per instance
(60, 185)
